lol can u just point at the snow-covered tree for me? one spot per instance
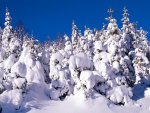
(125, 20)
(75, 35)
(7, 33)
(141, 61)
(60, 85)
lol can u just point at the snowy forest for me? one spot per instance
(111, 62)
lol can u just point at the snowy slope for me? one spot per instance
(97, 105)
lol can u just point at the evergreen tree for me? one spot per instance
(7, 33)
(75, 34)
(141, 62)
(125, 20)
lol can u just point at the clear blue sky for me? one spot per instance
(54, 17)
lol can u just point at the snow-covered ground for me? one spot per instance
(98, 104)
(37, 102)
